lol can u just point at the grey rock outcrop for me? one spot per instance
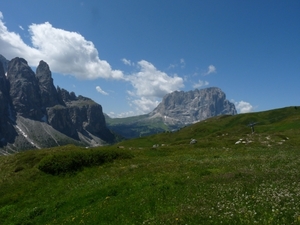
(182, 108)
(4, 62)
(3, 81)
(48, 92)
(35, 114)
(7, 131)
(24, 89)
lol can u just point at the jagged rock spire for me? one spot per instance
(48, 92)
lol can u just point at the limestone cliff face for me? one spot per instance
(24, 89)
(7, 131)
(4, 62)
(189, 107)
(35, 114)
(48, 93)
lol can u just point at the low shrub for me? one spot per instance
(70, 162)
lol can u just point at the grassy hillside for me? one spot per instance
(136, 126)
(223, 131)
(230, 176)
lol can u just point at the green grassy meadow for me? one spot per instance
(230, 176)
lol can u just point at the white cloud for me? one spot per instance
(200, 83)
(175, 65)
(12, 45)
(111, 114)
(150, 85)
(145, 104)
(211, 69)
(98, 88)
(172, 66)
(127, 62)
(182, 63)
(66, 52)
(21, 27)
(70, 53)
(243, 107)
(131, 93)
(122, 115)
(150, 82)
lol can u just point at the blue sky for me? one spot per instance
(126, 54)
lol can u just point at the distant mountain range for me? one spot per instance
(176, 110)
(35, 114)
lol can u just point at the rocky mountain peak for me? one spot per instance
(48, 92)
(65, 95)
(3, 81)
(24, 89)
(43, 72)
(4, 63)
(18, 68)
(2, 73)
(181, 107)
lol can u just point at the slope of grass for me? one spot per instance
(225, 130)
(142, 120)
(126, 120)
(136, 126)
(214, 181)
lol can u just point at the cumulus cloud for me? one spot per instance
(150, 84)
(127, 62)
(145, 104)
(211, 69)
(243, 107)
(12, 45)
(66, 52)
(70, 53)
(200, 83)
(98, 88)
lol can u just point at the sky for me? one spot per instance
(127, 55)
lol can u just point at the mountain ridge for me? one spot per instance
(35, 114)
(176, 110)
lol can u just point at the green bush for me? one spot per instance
(70, 162)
